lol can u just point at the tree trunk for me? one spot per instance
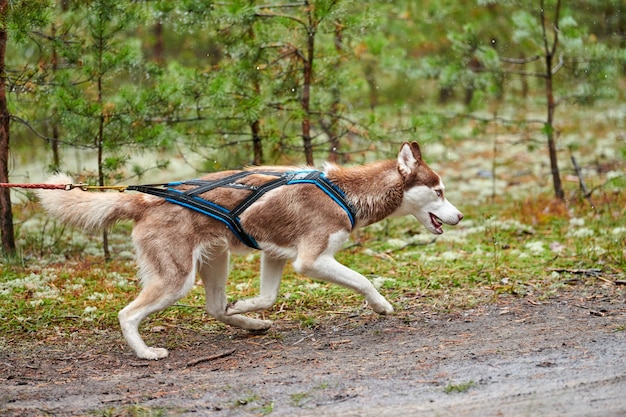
(307, 72)
(257, 144)
(549, 128)
(159, 45)
(54, 140)
(370, 78)
(100, 147)
(333, 129)
(99, 139)
(551, 104)
(6, 215)
(255, 126)
(101, 179)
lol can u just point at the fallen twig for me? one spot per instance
(605, 279)
(594, 272)
(210, 358)
(334, 344)
(302, 339)
(591, 311)
(338, 399)
(581, 181)
(138, 364)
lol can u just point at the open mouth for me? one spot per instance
(437, 223)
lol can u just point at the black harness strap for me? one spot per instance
(191, 200)
(202, 206)
(282, 180)
(204, 186)
(318, 178)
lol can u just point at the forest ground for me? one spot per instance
(563, 356)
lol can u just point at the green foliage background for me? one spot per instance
(124, 78)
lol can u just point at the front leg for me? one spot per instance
(271, 274)
(321, 264)
(327, 268)
(214, 273)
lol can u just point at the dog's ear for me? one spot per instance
(417, 153)
(409, 158)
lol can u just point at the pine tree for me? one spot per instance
(16, 22)
(104, 91)
(6, 215)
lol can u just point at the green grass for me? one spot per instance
(131, 411)
(461, 387)
(300, 398)
(529, 248)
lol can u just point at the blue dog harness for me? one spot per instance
(191, 199)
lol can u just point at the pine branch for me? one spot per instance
(520, 60)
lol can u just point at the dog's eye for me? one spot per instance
(439, 193)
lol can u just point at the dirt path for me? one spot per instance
(561, 357)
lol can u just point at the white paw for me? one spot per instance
(236, 308)
(382, 307)
(250, 304)
(260, 325)
(153, 353)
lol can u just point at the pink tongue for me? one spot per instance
(436, 222)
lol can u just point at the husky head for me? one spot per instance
(424, 192)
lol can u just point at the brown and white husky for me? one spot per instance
(300, 222)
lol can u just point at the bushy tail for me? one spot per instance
(88, 210)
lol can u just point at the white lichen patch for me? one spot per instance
(536, 247)
(379, 281)
(581, 232)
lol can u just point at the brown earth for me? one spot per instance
(565, 356)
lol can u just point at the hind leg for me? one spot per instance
(161, 288)
(214, 274)
(150, 300)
